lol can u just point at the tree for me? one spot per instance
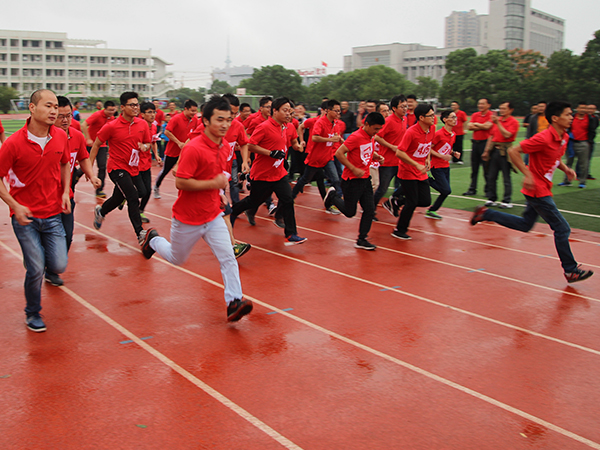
(427, 88)
(276, 81)
(588, 72)
(220, 87)
(6, 95)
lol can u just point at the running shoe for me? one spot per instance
(144, 239)
(279, 223)
(328, 200)
(35, 323)
(470, 192)
(387, 205)
(240, 249)
(272, 209)
(238, 309)
(364, 244)
(156, 193)
(121, 205)
(399, 235)
(251, 219)
(490, 203)
(333, 210)
(578, 275)
(294, 239)
(504, 205)
(98, 217)
(478, 215)
(100, 194)
(582, 186)
(565, 183)
(433, 215)
(144, 218)
(53, 279)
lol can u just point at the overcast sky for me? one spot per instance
(192, 34)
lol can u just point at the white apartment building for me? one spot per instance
(31, 60)
(462, 29)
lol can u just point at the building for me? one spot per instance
(31, 60)
(510, 24)
(232, 75)
(411, 60)
(462, 29)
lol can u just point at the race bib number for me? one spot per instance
(134, 161)
(548, 175)
(231, 150)
(423, 150)
(445, 150)
(329, 144)
(73, 160)
(366, 152)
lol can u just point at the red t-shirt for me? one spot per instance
(159, 118)
(291, 133)
(393, 132)
(249, 119)
(510, 124)
(442, 143)
(1, 127)
(461, 118)
(256, 121)
(308, 125)
(580, 128)
(146, 157)
(201, 159)
(360, 153)
(321, 152)
(271, 136)
(481, 135)
(340, 128)
(75, 124)
(181, 127)
(95, 123)
(545, 150)
(410, 119)
(123, 138)
(33, 175)
(77, 150)
(236, 137)
(239, 119)
(417, 144)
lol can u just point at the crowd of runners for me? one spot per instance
(221, 149)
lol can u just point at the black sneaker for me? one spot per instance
(364, 244)
(251, 219)
(150, 234)
(478, 215)
(35, 323)
(53, 279)
(279, 223)
(399, 235)
(470, 192)
(238, 309)
(328, 200)
(578, 275)
(387, 205)
(240, 248)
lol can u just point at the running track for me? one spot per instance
(463, 338)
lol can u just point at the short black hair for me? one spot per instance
(582, 103)
(422, 109)
(108, 103)
(63, 101)
(331, 103)
(233, 100)
(263, 101)
(486, 99)
(245, 105)
(510, 104)
(396, 100)
(445, 115)
(372, 101)
(189, 103)
(411, 96)
(542, 101)
(126, 96)
(146, 106)
(216, 102)
(454, 101)
(278, 103)
(325, 105)
(375, 118)
(555, 109)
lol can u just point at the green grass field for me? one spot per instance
(581, 207)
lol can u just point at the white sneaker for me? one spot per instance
(506, 205)
(156, 193)
(491, 203)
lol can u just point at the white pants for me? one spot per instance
(216, 235)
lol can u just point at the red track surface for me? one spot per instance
(463, 338)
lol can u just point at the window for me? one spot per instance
(14, 42)
(14, 57)
(2, 56)
(14, 72)
(2, 42)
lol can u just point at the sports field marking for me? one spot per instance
(265, 428)
(285, 442)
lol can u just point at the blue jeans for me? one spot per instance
(440, 181)
(547, 210)
(43, 243)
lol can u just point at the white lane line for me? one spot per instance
(285, 442)
(342, 338)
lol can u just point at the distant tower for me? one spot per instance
(228, 60)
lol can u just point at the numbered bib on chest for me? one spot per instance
(134, 161)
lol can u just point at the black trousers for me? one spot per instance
(146, 181)
(416, 193)
(458, 147)
(126, 188)
(169, 163)
(261, 190)
(358, 190)
(476, 161)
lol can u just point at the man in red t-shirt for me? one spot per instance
(90, 128)
(459, 131)
(35, 163)
(415, 155)
(2, 134)
(178, 130)
(268, 173)
(502, 134)
(197, 211)
(356, 154)
(127, 136)
(412, 103)
(263, 114)
(148, 112)
(580, 129)
(77, 154)
(481, 124)
(545, 151)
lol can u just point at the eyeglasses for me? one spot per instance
(133, 105)
(64, 116)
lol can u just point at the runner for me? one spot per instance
(414, 154)
(127, 136)
(545, 151)
(480, 124)
(35, 161)
(178, 130)
(148, 112)
(268, 172)
(356, 154)
(441, 154)
(197, 211)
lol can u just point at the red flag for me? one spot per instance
(323, 63)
